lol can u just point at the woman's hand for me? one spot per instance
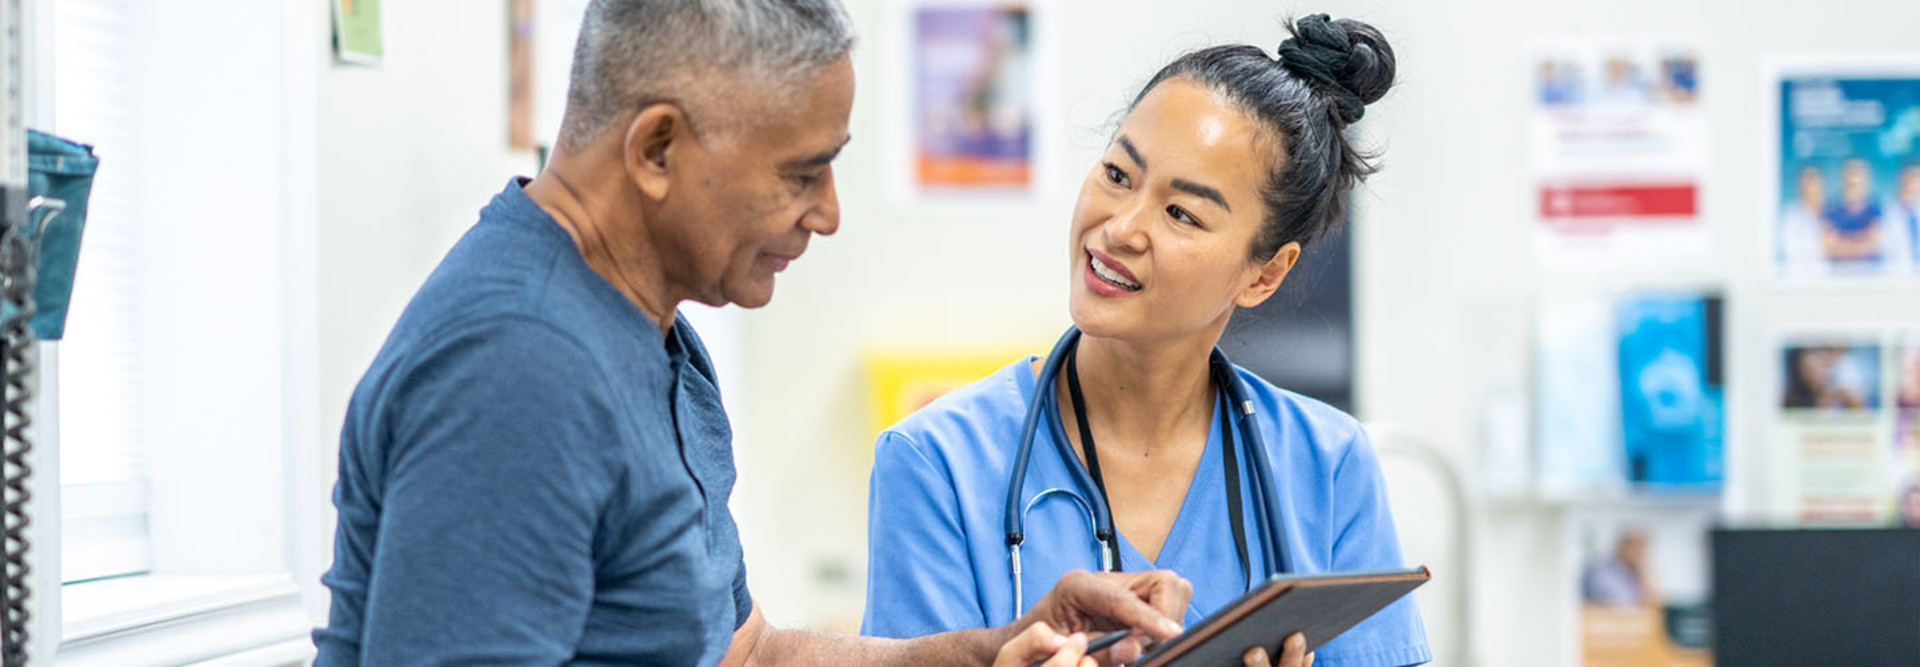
(1293, 653)
(1040, 642)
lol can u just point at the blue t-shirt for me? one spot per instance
(1850, 221)
(936, 540)
(530, 474)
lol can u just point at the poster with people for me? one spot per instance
(1619, 147)
(1837, 431)
(1847, 182)
(972, 97)
(1905, 468)
(1643, 586)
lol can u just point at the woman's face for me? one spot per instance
(1910, 379)
(1162, 235)
(1815, 367)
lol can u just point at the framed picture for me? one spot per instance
(358, 37)
(1619, 147)
(522, 37)
(1839, 457)
(1642, 578)
(966, 100)
(1844, 182)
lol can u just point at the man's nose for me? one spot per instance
(824, 217)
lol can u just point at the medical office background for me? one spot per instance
(269, 197)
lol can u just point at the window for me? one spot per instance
(182, 388)
(104, 493)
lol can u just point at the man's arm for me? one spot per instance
(1146, 602)
(491, 497)
(757, 643)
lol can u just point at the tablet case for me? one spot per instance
(1321, 606)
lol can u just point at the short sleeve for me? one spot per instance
(1365, 539)
(742, 599)
(920, 579)
(497, 471)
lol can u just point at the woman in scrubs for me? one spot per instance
(1227, 166)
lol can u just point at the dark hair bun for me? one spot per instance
(1347, 59)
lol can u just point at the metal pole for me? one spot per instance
(14, 365)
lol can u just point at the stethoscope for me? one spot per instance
(1266, 511)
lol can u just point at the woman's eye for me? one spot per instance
(1180, 215)
(1117, 177)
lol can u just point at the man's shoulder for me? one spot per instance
(504, 285)
(493, 270)
(470, 333)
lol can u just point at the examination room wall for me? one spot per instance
(406, 153)
(1444, 284)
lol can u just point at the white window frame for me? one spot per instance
(210, 612)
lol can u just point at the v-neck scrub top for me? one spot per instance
(937, 552)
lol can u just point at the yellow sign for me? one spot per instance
(902, 382)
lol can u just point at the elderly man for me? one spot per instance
(535, 469)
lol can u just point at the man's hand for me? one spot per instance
(1293, 653)
(1055, 630)
(1039, 642)
(1149, 603)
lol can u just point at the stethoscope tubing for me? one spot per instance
(1266, 509)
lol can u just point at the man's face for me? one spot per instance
(1855, 181)
(746, 200)
(1633, 548)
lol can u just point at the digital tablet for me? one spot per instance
(1320, 606)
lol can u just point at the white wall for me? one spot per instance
(408, 153)
(1443, 280)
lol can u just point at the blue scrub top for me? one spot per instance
(937, 553)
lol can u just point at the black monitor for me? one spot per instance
(1301, 338)
(1816, 596)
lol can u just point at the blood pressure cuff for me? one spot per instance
(61, 170)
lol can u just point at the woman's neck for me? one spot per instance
(1149, 395)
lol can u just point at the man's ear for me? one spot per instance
(1271, 275)
(653, 136)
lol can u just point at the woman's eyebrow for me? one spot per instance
(1132, 152)
(1203, 191)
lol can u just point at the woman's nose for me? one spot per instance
(1128, 228)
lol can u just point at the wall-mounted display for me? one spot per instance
(1848, 426)
(357, 35)
(1631, 394)
(1846, 186)
(1642, 577)
(1619, 148)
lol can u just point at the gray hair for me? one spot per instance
(632, 53)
